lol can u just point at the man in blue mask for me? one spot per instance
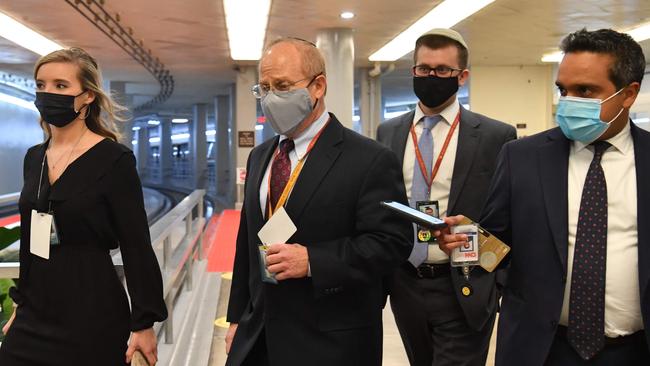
(448, 154)
(323, 305)
(574, 204)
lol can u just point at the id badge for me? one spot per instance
(40, 234)
(267, 276)
(54, 233)
(430, 208)
(468, 254)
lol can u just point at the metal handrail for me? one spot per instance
(176, 263)
(9, 199)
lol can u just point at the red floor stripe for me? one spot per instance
(222, 247)
(4, 221)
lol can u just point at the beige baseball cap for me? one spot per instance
(445, 32)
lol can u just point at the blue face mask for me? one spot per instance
(579, 118)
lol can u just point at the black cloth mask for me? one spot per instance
(434, 91)
(57, 109)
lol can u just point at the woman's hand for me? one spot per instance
(146, 342)
(5, 329)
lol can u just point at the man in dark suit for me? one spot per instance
(451, 171)
(326, 308)
(574, 204)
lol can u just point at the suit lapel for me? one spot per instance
(554, 176)
(256, 176)
(401, 134)
(641, 141)
(468, 140)
(319, 162)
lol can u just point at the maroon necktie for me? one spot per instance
(280, 171)
(586, 331)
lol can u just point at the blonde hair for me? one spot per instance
(90, 77)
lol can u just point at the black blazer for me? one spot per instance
(479, 141)
(528, 209)
(334, 316)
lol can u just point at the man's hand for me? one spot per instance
(230, 335)
(287, 261)
(448, 241)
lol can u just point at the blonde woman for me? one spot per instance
(72, 308)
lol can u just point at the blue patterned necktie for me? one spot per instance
(419, 188)
(586, 331)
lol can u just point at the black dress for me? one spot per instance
(72, 307)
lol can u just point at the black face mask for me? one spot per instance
(434, 91)
(57, 109)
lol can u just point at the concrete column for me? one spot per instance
(337, 46)
(223, 118)
(245, 116)
(524, 96)
(199, 145)
(370, 103)
(166, 153)
(142, 150)
(118, 90)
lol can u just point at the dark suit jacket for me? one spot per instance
(479, 141)
(333, 317)
(528, 209)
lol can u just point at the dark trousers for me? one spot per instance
(432, 324)
(258, 355)
(633, 352)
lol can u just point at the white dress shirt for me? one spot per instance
(622, 300)
(442, 182)
(301, 144)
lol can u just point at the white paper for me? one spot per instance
(278, 229)
(39, 236)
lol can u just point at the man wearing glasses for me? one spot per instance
(323, 305)
(448, 156)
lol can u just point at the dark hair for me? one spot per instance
(435, 41)
(629, 62)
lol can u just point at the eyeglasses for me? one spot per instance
(439, 71)
(261, 90)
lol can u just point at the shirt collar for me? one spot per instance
(301, 142)
(622, 141)
(448, 114)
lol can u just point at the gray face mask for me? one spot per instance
(284, 110)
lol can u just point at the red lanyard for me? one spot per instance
(418, 154)
(294, 175)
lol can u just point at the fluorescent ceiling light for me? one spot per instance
(153, 122)
(447, 14)
(17, 102)
(553, 57)
(180, 120)
(639, 33)
(642, 120)
(246, 21)
(136, 128)
(259, 127)
(180, 136)
(25, 37)
(347, 15)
